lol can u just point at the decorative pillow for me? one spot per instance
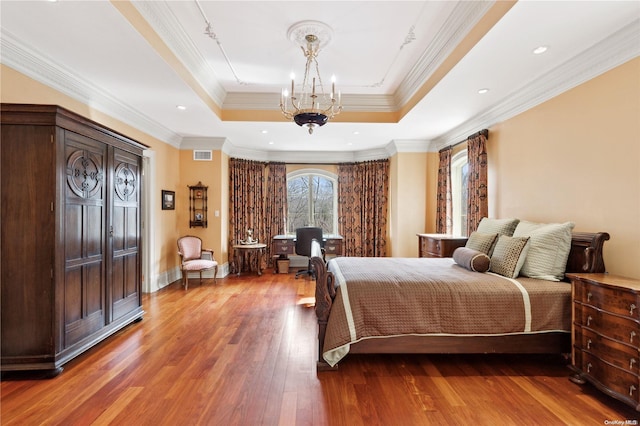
(482, 242)
(497, 226)
(549, 246)
(508, 255)
(471, 259)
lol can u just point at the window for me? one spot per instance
(459, 189)
(312, 200)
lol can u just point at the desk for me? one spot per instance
(285, 245)
(241, 249)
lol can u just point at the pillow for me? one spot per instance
(471, 259)
(549, 247)
(481, 242)
(497, 226)
(508, 255)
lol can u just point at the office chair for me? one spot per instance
(304, 236)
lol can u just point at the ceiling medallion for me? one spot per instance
(310, 105)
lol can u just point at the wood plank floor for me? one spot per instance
(242, 352)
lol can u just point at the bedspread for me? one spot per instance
(380, 297)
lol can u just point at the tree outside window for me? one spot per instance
(312, 200)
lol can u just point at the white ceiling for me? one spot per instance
(394, 61)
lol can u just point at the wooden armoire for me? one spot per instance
(71, 235)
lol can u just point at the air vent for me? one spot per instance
(202, 155)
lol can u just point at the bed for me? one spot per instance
(433, 305)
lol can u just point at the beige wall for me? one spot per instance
(408, 201)
(576, 158)
(210, 173)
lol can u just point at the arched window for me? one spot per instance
(459, 189)
(312, 200)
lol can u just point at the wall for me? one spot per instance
(210, 173)
(576, 158)
(408, 201)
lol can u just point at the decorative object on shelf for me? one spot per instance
(311, 105)
(198, 205)
(249, 240)
(168, 200)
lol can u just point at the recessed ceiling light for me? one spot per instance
(264, 132)
(270, 142)
(540, 49)
(356, 132)
(181, 107)
(483, 91)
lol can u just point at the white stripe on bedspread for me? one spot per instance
(341, 282)
(525, 300)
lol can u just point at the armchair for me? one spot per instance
(191, 259)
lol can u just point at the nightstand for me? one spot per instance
(438, 245)
(606, 334)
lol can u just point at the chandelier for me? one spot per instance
(310, 105)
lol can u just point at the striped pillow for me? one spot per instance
(550, 244)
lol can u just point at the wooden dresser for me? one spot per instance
(438, 245)
(285, 245)
(606, 334)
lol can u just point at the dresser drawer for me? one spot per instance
(284, 247)
(333, 246)
(621, 355)
(619, 328)
(618, 301)
(615, 379)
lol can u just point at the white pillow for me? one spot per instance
(549, 246)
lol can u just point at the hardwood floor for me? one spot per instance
(242, 352)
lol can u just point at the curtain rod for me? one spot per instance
(484, 132)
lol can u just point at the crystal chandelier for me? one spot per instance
(310, 105)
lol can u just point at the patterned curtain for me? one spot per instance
(477, 203)
(362, 207)
(275, 208)
(246, 207)
(444, 221)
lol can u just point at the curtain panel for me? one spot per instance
(275, 207)
(477, 202)
(444, 219)
(246, 208)
(363, 190)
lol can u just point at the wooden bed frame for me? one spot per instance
(585, 256)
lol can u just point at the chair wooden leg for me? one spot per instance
(215, 273)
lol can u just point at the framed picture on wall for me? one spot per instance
(168, 200)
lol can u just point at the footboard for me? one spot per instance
(325, 293)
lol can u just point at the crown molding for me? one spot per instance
(615, 50)
(212, 143)
(461, 20)
(166, 25)
(24, 59)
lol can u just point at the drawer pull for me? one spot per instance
(331, 248)
(631, 390)
(631, 336)
(631, 362)
(589, 318)
(589, 367)
(632, 308)
(589, 296)
(589, 344)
